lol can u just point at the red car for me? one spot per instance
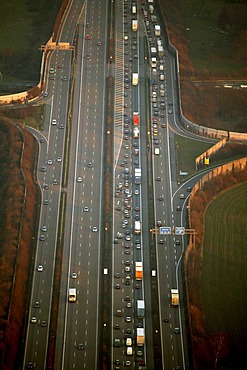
(88, 37)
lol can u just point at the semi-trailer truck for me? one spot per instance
(72, 294)
(138, 174)
(174, 297)
(140, 308)
(140, 337)
(138, 270)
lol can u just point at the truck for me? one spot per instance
(174, 297)
(137, 227)
(138, 270)
(160, 51)
(117, 342)
(153, 62)
(153, 18)
(133, 9)
(157, 30)
(150, 1)
(72, 294)
(140, 337)
(136, 132)
(134, 24)
(134, 79)
(140, 308)
(153, 51)
(136, 118)
(138, 174)
(151, 9)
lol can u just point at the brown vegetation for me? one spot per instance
(18, 194)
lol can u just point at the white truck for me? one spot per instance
(140, 337)
(157, 30)
(72, 294)
(136, 132)
(137, 228)
(134, 79)
(153, 51)
(153, 62)
(138, 174)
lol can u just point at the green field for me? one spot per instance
(187, 151)
(224, 272)
(210, 48)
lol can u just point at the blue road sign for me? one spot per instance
(165, 230)
(179, 230)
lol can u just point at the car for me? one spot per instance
(166, 319)
(128, 363)
(161, 197)
(42, 140)
(95, 229)
(178, 208)
(127, 238)
(88, 37)
(137, 192)
(117, 275)
(139, 353)
(79, 179)
(43, 324)
(158, 178)
(30, 365)
(86, 209)
(170, 111)
(59, 66)
(182, 196)
(128, 305)
(80, 346)
(155, 132)
(55, 182)
(51, 77)
(137, 286)
(87, 56)
(49, 161)
(45, 186)
(127, 282)
(127, 269)
(140, 362)
(52, 71)
(44, 228)
(161, 241)
(117, 362)
(61, 126)
(115, 241)
(43, 169)
(74, 275)
(90, 165)
(54, 121)
(64, 78)
(138, 246)
(116, 327)
(128, 319)
(117, 286)
(40, 268)
(127, 263)
(156, 142)
(125, 222)
(137, 217)
(42, 238)
(46, 202)
(189, 189)
(59, 159)
(177, 242)
(170, 103)
(33, 320)
(127, 251)
(176, 330)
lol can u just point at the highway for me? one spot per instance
(75, 105)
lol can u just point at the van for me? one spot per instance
(161, 67)
(126, 171)
(128, 342)
(119, 313)
(162, 92)
(129, 351)
(156, 151)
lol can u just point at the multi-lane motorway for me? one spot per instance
(75, 101)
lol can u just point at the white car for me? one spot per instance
(33, 320)
(49, 161)
(137, 192)
(79, 179)
(182, 196)
(54, 122)
(59, 159)
(95, 229)
(86, 209)
(40, 268)
(74, 275)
